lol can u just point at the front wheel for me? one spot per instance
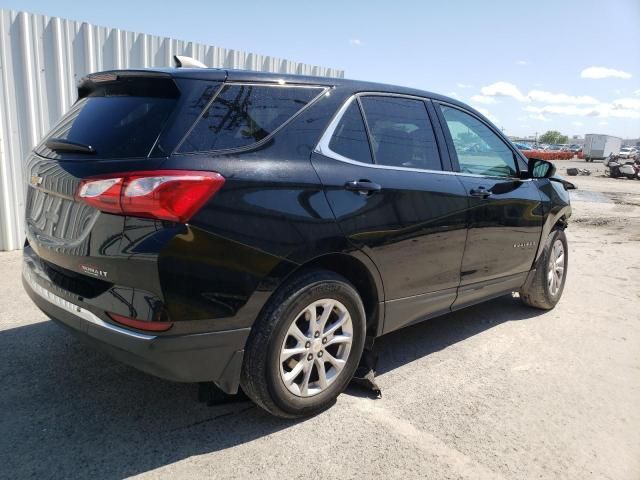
(306, 345)
(547, 285)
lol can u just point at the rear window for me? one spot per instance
(242, 115)
(120, 120)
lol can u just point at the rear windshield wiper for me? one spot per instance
(64, 145)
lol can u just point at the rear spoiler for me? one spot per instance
(149, 83)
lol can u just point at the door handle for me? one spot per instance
(364, 187)
(481, 192)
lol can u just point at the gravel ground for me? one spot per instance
(496, 391)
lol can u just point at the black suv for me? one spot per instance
(257, 230)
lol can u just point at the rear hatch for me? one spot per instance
(122, 122)
(116, 117)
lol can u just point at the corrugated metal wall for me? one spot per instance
(42, 58)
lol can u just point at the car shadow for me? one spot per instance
(403, 346)
(70, 411)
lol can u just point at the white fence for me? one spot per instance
(42, 58)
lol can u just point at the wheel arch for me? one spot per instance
(361, 272)
(557, 219)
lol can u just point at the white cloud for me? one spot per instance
(549, 97)
(603, 72)
(562, 110)
(522, 62)
(539, 116)
(504, 89)
(603, 123)
(627, 103)
(356, 42)
(463, 85)
(487, 114)
(453, 95)
(603, 110)
(543, 106)
(619, 110)
(617, 91)
(618, 113)
(483, 99)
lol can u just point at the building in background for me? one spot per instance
(41, 60)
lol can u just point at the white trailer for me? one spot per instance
(598, 147)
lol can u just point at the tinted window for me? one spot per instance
(479, 150)
(401, 133)
(350, 137)
(115, 126)
(242, 115)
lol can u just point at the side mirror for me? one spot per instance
(537, 168)
(567, 185)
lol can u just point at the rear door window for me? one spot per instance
(118, 119)
(242, 115)
(401, 132)
(350, 137)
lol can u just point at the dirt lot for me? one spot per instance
(498, 390)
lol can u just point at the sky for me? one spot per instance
(530, 66)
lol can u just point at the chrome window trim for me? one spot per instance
(76, 310)
(324, 90)
(322, 147)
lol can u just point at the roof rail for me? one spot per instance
(182, 61)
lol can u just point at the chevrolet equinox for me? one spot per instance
(258, 230)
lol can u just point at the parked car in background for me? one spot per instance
(628, 152)
(257, 230)
(575, 148)
(522, 146)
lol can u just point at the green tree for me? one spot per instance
(553, 137)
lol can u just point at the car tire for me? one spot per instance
(545, 289)
(271, 382)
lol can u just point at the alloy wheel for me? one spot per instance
(316, 347)
(555, 272)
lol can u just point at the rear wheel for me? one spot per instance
(306, 345)
(546, 288)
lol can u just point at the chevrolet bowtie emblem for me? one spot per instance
(36, 181)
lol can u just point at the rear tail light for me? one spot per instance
(140, 324)
(174, 195)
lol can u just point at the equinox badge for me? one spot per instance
(95, 271)
(524, 244)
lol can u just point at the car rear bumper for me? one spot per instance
(201, 357)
